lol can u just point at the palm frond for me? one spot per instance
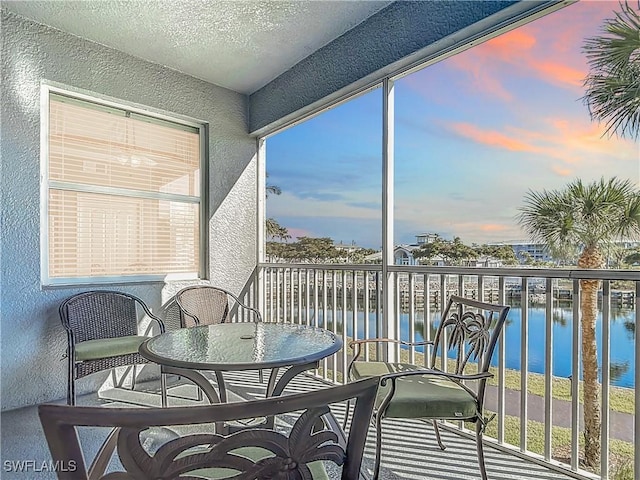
(582, 215)
(613, 84)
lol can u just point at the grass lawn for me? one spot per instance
(620, 399)
(620, 457)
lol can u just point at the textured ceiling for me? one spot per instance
(240, 45)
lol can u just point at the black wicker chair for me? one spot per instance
(167, 443)
(206, 305)
(102, 333)
(467, 335)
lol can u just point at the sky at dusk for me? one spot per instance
(474, 133)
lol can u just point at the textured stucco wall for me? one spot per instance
(33, 340)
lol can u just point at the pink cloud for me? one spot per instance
(531, 51)
(569, 140)
(493, 227)
(563, 172)
(509, 46)
(298, 232)
(481, 62)
(582, 136)
(482, 232)
(490, 137)
(480, 79)
(559, 73)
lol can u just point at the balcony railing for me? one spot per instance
(349, 300)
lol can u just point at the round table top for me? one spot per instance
(241, 346)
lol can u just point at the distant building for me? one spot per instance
(527, 250)
(483, 262)
(538, 252)
(628, 244)
(347, 250)
(423, 238)
(524, 250)
(373, 258)
(403, 253)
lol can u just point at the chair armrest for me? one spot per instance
(153, 317)
(352, 343)
(159, 322)
(255, 311)
(242, 305)
(356, 345)
(440, 373)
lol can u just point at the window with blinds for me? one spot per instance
(123, 194)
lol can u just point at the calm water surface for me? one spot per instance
(622, 331)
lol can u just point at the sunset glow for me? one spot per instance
(473, 134)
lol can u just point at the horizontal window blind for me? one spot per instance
(123, 192)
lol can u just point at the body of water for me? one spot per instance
(622, 331)
(622, 339)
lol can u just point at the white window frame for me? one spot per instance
(49, 88)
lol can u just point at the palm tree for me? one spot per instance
(273, 189)
(613, 83)
(273, 228)
(586, 217)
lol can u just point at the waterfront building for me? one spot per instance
(526, 250)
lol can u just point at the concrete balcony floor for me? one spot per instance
(409, 447)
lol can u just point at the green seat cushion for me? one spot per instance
(108, 347)
(317, 469)
(419, 396)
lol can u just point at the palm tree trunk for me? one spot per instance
(590, 258)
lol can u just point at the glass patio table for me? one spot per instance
(236, 347)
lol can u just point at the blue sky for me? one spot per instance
(474, 133)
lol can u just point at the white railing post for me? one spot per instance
(575, 378)
(333, 278)
(606, 371)
(548, 371)
(524, 364)
(502, 362)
